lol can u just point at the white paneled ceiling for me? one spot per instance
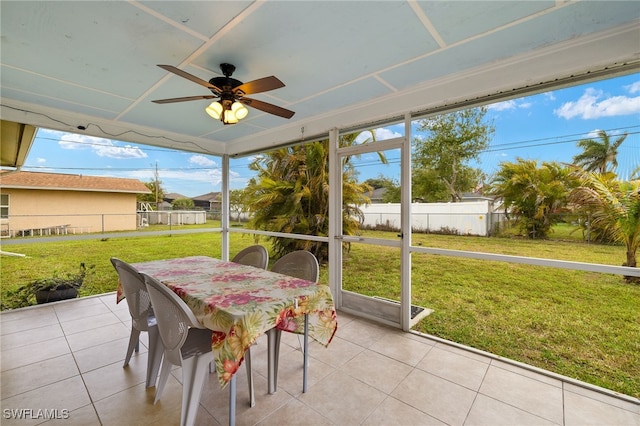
(92, 64)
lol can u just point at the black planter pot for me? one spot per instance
(46, 296)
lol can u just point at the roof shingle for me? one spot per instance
(67, 182)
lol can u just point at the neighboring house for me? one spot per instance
(376, 195)
(34, 203)
(211, 201)
(475, 196)
(169, 198)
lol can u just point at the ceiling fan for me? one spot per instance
(229, 109)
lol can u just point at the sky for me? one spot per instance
(543, 127)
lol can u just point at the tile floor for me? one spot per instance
(68, 357)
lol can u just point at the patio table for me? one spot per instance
(239, 303)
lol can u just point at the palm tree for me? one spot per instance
(597, 155)
(290, 194)
(534, 194)
(614, 208)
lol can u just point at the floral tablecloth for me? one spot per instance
(240, 303)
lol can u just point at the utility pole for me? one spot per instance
(156, 186)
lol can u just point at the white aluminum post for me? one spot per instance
(225, 207)
(405, 213)
(335, 219)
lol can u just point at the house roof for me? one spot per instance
(376, 194)
(209, 196)
(67, 182)
(346, 64)
(173, 196)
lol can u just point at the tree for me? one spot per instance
(533, 194)
(182, 204)
(598, 155)
(428, 186)
(392, 193)
(391, 187)
(613, 207)
(290, 194)
(155, 196)
(441, 159)
(238, 203)
(378, 182)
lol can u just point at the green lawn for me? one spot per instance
(582, 325)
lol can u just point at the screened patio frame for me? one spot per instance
(64, 100)
(370, 307)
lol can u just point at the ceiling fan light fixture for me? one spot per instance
(214, 110)
(227, 112)
(229, 117)
(239, 110)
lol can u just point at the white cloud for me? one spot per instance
(593, 104)
(502, 106)
(209, 176)
(508, 105)
(595, 133)
(633, 87)
(75, 141)
(550, 96)
(235, 177)
(201, 160)
(592, 134)
(71, 141)
(381, 135)
(41, 160)
(120, 152)
(101, 146)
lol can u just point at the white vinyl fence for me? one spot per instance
(464, 218)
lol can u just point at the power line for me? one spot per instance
(519, 144)
(581, 135)
(493, 148)
(146, 147)
(507, 147)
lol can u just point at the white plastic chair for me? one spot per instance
(256, 256)
(187, 344)
(300, 264)
(304, 265)
(142, 318)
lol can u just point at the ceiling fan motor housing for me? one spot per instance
(225, 83)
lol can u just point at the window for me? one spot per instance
(4, 206)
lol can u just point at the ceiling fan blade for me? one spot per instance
(260, 85)
(190, 77)
(267, 107)
(183, 99)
